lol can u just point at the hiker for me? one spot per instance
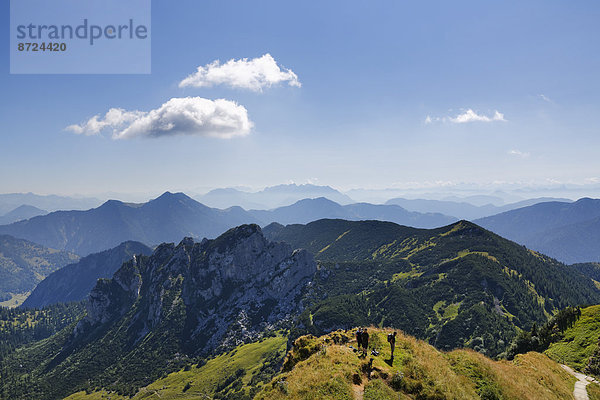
(359, 339)
(392, 340)
(365, 341)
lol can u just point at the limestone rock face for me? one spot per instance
(210, 294)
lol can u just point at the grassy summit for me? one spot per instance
(325, 370)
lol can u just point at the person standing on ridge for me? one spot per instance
(359, 339)
(392, 340)
(365, 341)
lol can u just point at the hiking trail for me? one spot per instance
(580, 392)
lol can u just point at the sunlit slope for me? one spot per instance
(320, 369)
(236, 375)
(455, 286)
(579, 341)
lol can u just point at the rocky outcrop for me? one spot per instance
(209, 294)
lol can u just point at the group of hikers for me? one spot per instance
(362, 341)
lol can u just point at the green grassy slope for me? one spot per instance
(237, 374)
(325, 370)
(578, 342)
(456, 286)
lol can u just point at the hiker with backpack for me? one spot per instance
(365, 341)
(391, 338)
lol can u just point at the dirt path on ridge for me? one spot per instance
(580, 392)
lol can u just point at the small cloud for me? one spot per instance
(545, 98)
(179, 116)
(467, 116)
(472, 116)
(518, 153)
(255, 74)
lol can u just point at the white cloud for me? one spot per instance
(467, 116)
(518, 153)
(179, 116)
(472, 116)
(255, 74)
(545, 98)
(114, 117)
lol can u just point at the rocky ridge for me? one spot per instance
(229, 289)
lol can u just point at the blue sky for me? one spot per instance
(371, 74)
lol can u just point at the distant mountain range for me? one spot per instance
(10, 201)
(569, 232)
(23, 264)
(74, 281)
(463, 209)
(308, 210)
(270, 197)
(20, 213)
(565, 230)
(173, 216)
(167, 218)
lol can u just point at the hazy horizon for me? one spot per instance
(459, 192)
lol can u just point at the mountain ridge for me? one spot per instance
(567, 231)
(464, 209)
(308, 210)
(167, 218)
(172, 216)
(456, 286)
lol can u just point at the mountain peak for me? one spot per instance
(587, 200)
(466, 227)
(317, 200)
(172, 196)
(22, 212)
(236, 235)
(169, 198)
(111, 204)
